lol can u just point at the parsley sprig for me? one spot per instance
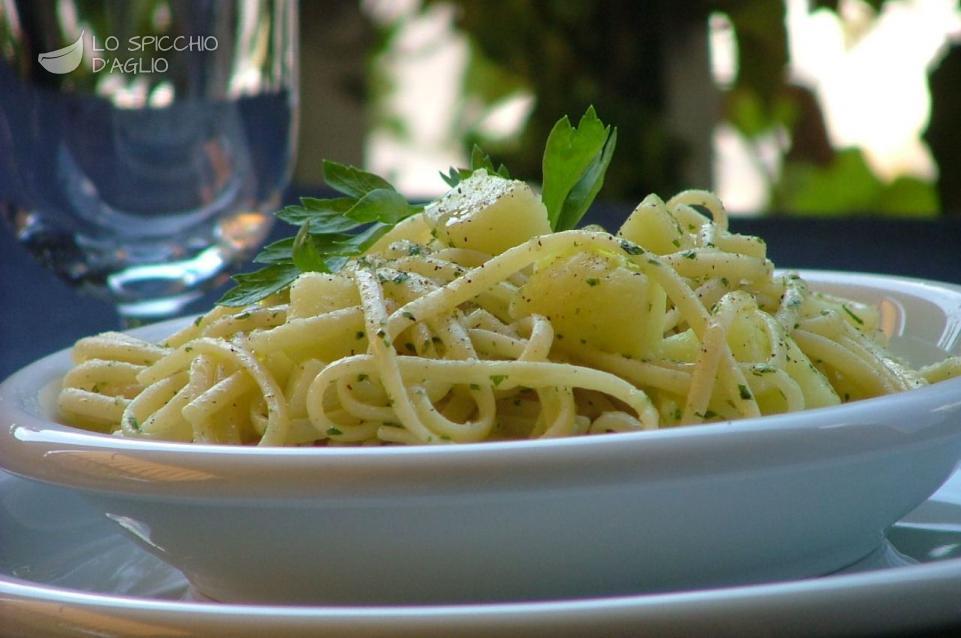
(575, 160)
(478, 159)
(332, 230)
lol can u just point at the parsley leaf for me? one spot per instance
(330, 231)
(281, 251)
(575, 160)
(306, 252)
(254, 286)
(380, 204)
(478, 159)
(351, 180)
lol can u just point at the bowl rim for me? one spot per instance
(95, 461)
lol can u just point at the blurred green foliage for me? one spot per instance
(847, 184)
(572, 55)
(611, 54)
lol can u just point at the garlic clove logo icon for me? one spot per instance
(63, 60)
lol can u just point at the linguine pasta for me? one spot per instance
(472, 322)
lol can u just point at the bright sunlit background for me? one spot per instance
(817, 107)
(869, 72)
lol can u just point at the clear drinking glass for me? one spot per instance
(144, 143)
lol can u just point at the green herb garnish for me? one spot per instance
(332, 230)
(478, 159)
(575, 160)
(856, 318)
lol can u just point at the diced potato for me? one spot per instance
(315, 293)
(594, 299)
(653, 227)
(488, 213)
(414, 229)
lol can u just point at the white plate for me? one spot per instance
(776, 498)
(66, 572)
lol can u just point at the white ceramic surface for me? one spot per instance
(775, 498)
(66, 571)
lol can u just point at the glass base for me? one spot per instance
(153, 292)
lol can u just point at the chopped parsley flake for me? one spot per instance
(856, 318)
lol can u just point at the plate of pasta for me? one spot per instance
(475, 400)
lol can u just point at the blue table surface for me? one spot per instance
(41, 314)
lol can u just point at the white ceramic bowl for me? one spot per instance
(757, 500)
